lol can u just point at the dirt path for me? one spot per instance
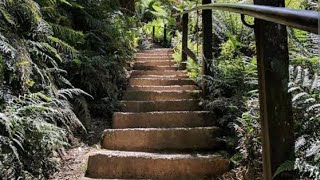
(74, 160)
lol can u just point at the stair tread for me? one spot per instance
(159, 155)
(141, 165)
(162, 131)
(166, 88)
(167, 112)
(163, 139)
(174, 100)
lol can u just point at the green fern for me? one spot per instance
(286, 166)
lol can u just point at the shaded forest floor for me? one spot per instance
(74, 159)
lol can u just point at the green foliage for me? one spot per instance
(232, 90)
(248, 130)
(48, 50)
(31, 136)
(156, 14)
(1, 70)
(305, 89)
(286, 166)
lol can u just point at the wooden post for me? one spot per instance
(275, 101)
(165, 35)
(153, 32)
(185, 19)
(207, 42)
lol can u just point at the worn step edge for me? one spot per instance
(163, 139)
(139, 165)
(159, 95)
(142, 67)
(160, 81)
(149, 106)
(169, 119)
(161, 76)
(155, 63)
(164, 88)
(154, 72)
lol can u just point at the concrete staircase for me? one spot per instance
(161, 132)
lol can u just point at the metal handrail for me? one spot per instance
(301, 19)
(272, 64)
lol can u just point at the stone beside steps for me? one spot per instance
(161, 131)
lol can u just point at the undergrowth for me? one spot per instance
(233, 93)
(62, 62)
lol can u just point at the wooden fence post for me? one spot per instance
(207, 42)
(275, 101)
(165, 35)
(184, 56)
(153, 33)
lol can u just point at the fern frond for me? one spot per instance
(62, 46)
(6, 15)
(286, 166)
(299, 96)
(71, 93)
(6, 48)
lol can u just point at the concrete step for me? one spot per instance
(155, 63)
(162, 139)
(163, 88)
(159, 82)
(154, 58)
(149, 106)
(176, 119)
(163, 76)
(157, 51)
(140, 165)
(159, 96)
(157, 68)
(135, 73)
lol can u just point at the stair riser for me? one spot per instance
(159, 82)
(109, 167)
(145, 53)
(139, 72)
(161, 52)
(154, 58)
(155, 63)
(163, 88)
(157, 68)
(163, 120)
(151, 140)
(161, 76)
(142, 106)
(158, 96)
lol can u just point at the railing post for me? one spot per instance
(165, 35)
(275, 101)
(207, 42)
(153, 32)
(184, 56)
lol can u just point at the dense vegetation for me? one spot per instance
(63, 62)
